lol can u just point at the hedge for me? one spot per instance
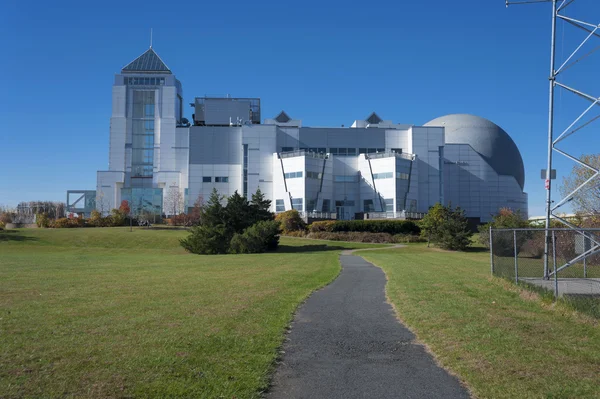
(367, 226)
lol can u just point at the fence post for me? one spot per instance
(554, 262)
(516, 257)
(584, 263)
(491, 251)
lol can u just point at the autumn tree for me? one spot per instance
(586, 200)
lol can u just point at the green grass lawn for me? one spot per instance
(108, 313)
(502, 340)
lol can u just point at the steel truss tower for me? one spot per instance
(559, 9)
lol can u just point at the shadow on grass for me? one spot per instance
(310, 248)
(476, 249)
(13, 235)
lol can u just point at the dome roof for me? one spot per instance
(486, 138)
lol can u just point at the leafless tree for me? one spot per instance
(586, 200)
(174, 201)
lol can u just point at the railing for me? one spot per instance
(388, 154)
(395, 215)
(303, 153)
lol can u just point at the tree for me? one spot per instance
(238, 227)
(447, 227)
(261, 207)
(196, 213)
(238, 213)
(174, 201)
(504, 244)
(587, 200)
(124, 208)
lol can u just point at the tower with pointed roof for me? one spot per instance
(148, 139)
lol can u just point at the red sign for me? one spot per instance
(547, 184)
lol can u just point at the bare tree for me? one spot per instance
(174, 201)
(102, 203)
(586, 200)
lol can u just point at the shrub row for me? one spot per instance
(367, 226)
(356, 236)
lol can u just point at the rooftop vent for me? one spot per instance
(374, 119)
(283, 117)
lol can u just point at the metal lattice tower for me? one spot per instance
(556, 82)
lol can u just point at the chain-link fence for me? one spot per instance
(573, 259)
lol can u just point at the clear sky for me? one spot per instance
(325, 62)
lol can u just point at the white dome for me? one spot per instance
(487, 139)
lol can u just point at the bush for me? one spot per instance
(239, 227)
(447, 227)
(326, 225)
(65, 223)
(42, 220)
(368, 226)
(408, 238)
(355, 236)
(299, 233)
(290, 221)
(179, 220)
(260, 237)
(117, 217)
(5, 218)
(504, 243)
(207, 240)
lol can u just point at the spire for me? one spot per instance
(147, 62)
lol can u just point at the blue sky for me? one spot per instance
(325, 62)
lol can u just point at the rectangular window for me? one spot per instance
(397, 150)
(344, 203)
(292, 175)
(389, 205)
(326, 205)
(287, 149)
(279, 205)
(311, 206)
(368, 205)
(333, 151)
(402, 176)
(351, 151)
(297, 203)
(386, 175)
(362, 151)
(344, 179)
(206, 179)
(221, 179)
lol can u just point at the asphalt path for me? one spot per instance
(345, 342)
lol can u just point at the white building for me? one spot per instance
(374, 167)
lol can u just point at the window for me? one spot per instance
(207, 179)
(311, 206)
(326, 205)
(279, 205)
(221, 179)
(344, 203)
(292, 175)
(297, 203)
(397, 150)
(403, 176)
(389, 205)
(386, 175)
(313, 175)
(318, 150)
(368, 205)
(343, 151)
(287, 149)
(371, 150)
(345, 179)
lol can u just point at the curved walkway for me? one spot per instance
(345, 342)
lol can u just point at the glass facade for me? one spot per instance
(143, 200)
(139, 81)
(245, 168)
(142, 146)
